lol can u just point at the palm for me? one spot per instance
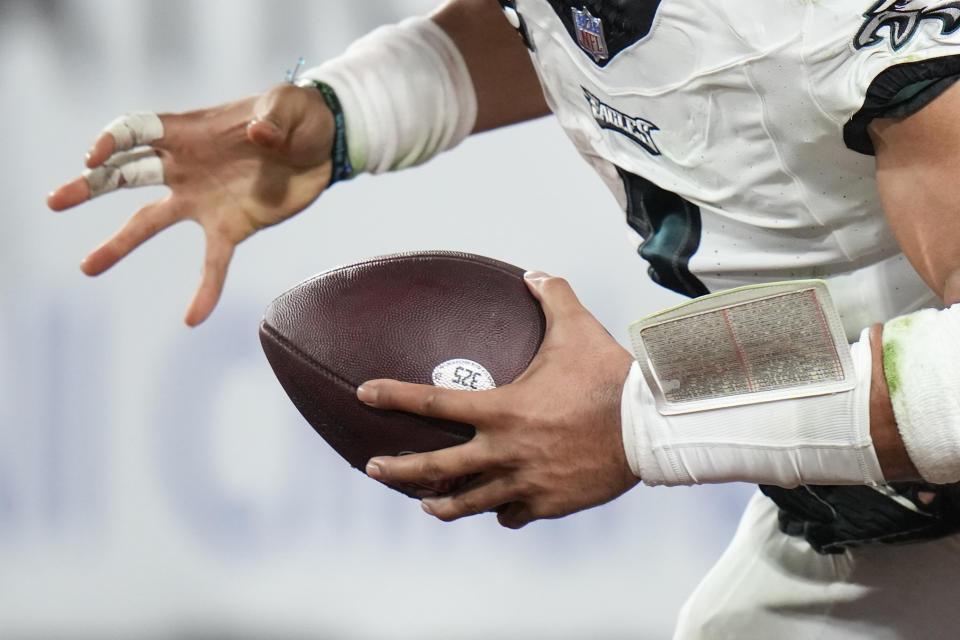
(234, 169)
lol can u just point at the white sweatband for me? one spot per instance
(406, 95)
(819, 439)
(921, 361)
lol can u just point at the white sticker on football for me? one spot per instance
(462, 374)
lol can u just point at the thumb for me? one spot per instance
(272, 117)
(265, 133)
(554, 294)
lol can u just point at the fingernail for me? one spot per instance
(373, 469)
(367, 393)
(426, 508)
(535, 275)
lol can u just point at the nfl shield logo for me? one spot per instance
(589, 32)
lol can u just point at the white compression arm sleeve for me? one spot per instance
(921, 362)
(822, 439)
(406, 94)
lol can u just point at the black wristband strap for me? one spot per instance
(342, 169)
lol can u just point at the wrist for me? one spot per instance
(636, 440)
(341, 163)
(891, 452)
(922, 372)
(405, 94)
(750, 385)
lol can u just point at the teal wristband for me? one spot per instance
(342, 169)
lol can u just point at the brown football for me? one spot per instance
(452, 319)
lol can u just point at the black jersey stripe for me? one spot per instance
(898, 92)
(671, 229)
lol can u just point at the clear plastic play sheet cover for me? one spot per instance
(743, 346)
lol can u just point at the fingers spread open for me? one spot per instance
(126, 132)
(141, 226)
(425, 400)
(111, 164)
(215, 264)
(429, 469)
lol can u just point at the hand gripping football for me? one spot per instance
(450, 319)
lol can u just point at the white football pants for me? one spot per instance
(770, 586)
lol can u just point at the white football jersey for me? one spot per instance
(733, 132)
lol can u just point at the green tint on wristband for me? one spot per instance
(342, 169)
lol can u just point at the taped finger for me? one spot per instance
(125, 169)
(135, 129)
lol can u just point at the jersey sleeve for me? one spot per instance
(888, 61)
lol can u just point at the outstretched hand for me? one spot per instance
(547, 445)
(234, 169)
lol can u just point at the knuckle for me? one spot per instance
(444, 510)
(446, 515)
(285, 90)
(555, 284)
(557, 281)
(468, 505)
(509, 412)
(428, 469)
(429, 403)
(384, 394)
(538, 510)
(513, 517)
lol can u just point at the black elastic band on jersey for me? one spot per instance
(898, 92)
(342, 169)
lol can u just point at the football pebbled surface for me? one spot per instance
(456, 320)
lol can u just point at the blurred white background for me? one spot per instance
(155, 482)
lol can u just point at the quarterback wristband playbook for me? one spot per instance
(404, 94)
(756, 384)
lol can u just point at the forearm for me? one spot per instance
(891, 452)
(504, 80)
(917, 165)
(411, 90)
(894, 417)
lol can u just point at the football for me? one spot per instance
(454, 320)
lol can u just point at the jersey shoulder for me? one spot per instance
(867, 59)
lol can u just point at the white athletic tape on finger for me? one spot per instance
(135, 129)
(125, 169)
